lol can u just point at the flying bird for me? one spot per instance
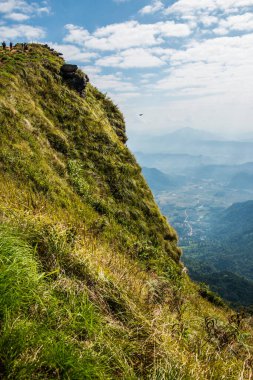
(140, 114)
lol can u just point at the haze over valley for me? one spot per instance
(198, 180)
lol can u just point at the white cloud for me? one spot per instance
(156, 6)
(21, 31)
(119, 87)
(72, 52)
(18, 9)
(212, 67)
(17, 16)
(124, 96)
(148, 75)
(126, 35)
(242, 23)
(207, 20)
(113, 82)
(185, 7)
(91, 70)
(76, 34)
(131, 58)
(221, 31)
(225, 15)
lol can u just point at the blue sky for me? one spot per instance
(183, 63)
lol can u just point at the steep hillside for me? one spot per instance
(62, 146)
(91, 284)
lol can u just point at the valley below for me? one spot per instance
(192, 208)
(210, 205)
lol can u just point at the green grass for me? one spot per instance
(73, 309)
(90, 281)
(43, 327)
(62, 144)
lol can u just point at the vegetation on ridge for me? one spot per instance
(90, 281)
(66, 147)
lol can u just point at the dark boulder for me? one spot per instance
(74, 78)
(68, 68)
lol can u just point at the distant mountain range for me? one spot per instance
(199, 144)
(173, 164)
(234, 175)
(191, 134)
(158, 180)
(193, 168)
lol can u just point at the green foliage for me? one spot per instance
(30, 310)
(235, 289)
(212, 297)
(77, 178)
(18, 272)
(113, 113)
(224, 260)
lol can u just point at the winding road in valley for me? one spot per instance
(186, 221)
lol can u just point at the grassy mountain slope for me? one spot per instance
(91, 286)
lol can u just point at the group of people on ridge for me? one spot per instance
(4, 45)
(24, 46)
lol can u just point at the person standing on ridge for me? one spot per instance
(4, 45)
(11, 45)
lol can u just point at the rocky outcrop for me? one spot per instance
(68, 69)
(74, 78)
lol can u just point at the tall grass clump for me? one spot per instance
(45, 326)
(19, 277)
